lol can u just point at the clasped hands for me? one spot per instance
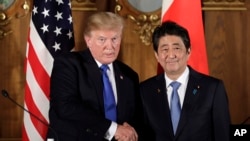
(125, 132)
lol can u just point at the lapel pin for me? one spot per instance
(121, 77)
(195, 90)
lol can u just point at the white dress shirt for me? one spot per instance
(183, 79)
(112, 129)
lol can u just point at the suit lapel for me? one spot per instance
(94, 76)
(120, 79)
(163, 104)
(191, 96)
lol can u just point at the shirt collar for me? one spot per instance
(182, 79)
(109, 65)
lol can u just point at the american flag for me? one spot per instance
(50, 33)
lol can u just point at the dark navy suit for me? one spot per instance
(204, 116)
(77, 110)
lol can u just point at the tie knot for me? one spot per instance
(104, 68)
(175, 85)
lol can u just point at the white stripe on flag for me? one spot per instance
(39, 98)
(41, 50)
(32, 132)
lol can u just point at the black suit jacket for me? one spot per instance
(76, 104)
(204, 116)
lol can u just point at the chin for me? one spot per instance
(109, 60)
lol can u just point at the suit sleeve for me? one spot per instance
(221, 116)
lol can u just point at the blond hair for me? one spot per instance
(104, 20)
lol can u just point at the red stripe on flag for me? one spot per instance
(189, 15)
(40, 126)
(42, 77)
(24, 135)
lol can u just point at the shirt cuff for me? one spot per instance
(111, 131)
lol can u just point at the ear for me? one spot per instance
(156, 56)
(189, 51)
(87, 40)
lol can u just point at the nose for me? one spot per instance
(109, 44)
(171, 53)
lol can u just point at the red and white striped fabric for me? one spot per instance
(50, 33)
(189, 15)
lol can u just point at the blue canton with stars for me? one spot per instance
(53, 21)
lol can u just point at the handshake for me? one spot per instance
(126, 132)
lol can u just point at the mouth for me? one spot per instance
(110, 54)
(172, 62)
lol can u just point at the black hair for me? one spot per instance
(170, 28)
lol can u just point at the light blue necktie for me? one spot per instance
(108, 95)
(175, 105)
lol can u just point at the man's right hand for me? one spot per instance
(126, 132)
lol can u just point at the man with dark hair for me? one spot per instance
(182, 104)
